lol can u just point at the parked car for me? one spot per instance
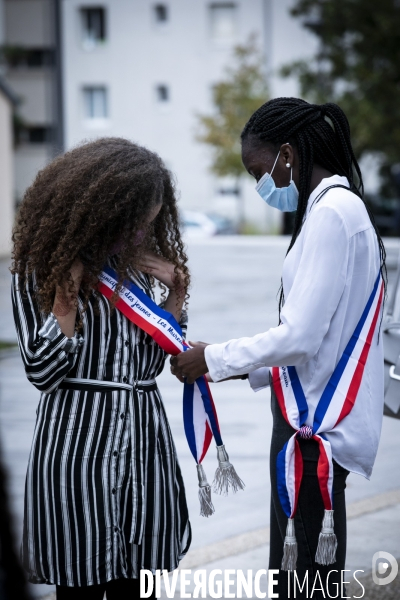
(386, 212)
(198, 225)
(224, 225)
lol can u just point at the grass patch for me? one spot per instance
(7, 345)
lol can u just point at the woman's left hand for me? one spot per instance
(162, 270)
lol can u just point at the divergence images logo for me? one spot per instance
(383, 562)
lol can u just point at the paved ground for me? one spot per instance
(235, 281)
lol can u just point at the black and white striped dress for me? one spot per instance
(104, 494)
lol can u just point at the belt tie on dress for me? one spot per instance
(99, 385)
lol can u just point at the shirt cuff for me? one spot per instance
(214, 359)
(259, 379)
(219, 368)
(51, 330)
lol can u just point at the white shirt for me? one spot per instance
(327, 277)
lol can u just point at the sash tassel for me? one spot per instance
(206, 506)
(327, 543)
(225, 475)
(289, 559)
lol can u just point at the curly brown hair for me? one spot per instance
(86, 202)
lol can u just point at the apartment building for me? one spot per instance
(8, 101)
(29, 60)
(143, 70)
(140, 69)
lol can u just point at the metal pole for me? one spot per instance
(58, 139)
(267, 35)
(268, 10)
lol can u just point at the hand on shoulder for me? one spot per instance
(163, 271)
(65, 298)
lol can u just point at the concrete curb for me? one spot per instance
(251, 540)
(260, 537)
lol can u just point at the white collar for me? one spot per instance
(325, 183)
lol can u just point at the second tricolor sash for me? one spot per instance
(199, 413)
(336, 402)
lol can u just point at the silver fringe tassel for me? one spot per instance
(289, 559)
(206, 506)
(225, 475)
(327, 543)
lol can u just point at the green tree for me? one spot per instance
(242, 90)
(357, 66)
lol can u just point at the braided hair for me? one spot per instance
(321, 134)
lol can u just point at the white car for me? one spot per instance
(197, 225)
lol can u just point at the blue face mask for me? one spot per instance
(284, 199)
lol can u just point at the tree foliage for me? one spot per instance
(357, 66)
(242, 90)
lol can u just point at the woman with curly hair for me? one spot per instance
(104, 493)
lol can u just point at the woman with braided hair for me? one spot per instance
(104, 492)
(324, 361)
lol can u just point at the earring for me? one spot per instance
(288, 165)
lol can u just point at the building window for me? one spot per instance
(162, 93)
(33, 134)
(39, 135)
(95, 102)
(93, 26)
(223, 21)
(31, 58)
(161, 13)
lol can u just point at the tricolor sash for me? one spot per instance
(199, 413)
(336, 402)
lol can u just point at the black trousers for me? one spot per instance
(117, 589)
(308, 518)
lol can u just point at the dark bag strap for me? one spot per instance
(330, 187)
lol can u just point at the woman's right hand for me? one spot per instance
(66, 297)
(163, 271)
(77, 273)
(65, 305)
